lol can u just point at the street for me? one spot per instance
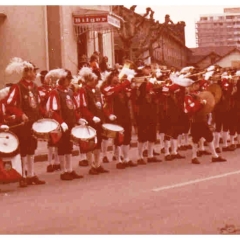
(174, 197)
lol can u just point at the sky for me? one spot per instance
(185, 10)
(187, 13)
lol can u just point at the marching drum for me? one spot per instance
(84, 137)
(8, 144)
(111, 130)
(47, 129)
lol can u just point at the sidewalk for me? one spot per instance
(41, 152)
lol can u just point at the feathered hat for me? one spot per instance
(87, 74)
(18, 65)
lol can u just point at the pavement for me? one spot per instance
(174, 197)
(41, 152)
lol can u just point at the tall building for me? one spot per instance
(219, 29)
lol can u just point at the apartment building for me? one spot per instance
(219, 29)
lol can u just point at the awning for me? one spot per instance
(95, 20)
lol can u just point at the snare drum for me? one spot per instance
(8, 144)
(84, 137)
(111, 130)
(47, 129)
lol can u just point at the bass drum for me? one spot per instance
(210, 104)
(216, 91)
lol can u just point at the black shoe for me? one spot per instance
(153, 160)
(141, 162)
(75, 175)
(218, 150)
(177, 156)
(155, 153)
(93, 171)
(145, 153)
(168, 158)
(56, 167)
(204, 152)
(189, 146)
(23, 182)
(199, 153)
(83, 163)
(34, 181)
(228, 148)
(105, 160)
(66, 176)
(238, 145)
(182, 148)
(115, 159)
(218, 159)
(50, 168)
(163, 150)
(120, 165)
(101, 170)
(131, 164)
(195, 161)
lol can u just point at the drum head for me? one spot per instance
(45, 125)
(8, 142)
(112, 127)
(83, 132)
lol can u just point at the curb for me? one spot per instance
(44, 157)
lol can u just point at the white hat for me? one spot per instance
(18, 65)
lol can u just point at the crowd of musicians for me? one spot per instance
(158, 103)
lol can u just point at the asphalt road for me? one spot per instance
(159, 198)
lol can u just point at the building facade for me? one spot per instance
(219, 29)
(54, 36)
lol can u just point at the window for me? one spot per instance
(203, 18)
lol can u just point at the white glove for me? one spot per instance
(64, 126)
(112, 117)
(153, 80)
(158, 73)
(82, 121)
(4, 127)
(98, 105)
(96, 119)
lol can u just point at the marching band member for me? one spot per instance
(23, 101)
(147, 121)
(117, 110)
(76, 86)
(199, 127)
(62, 106)
(223, 116)
(44, 91)
(93, 113)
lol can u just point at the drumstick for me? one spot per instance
(7, 137)
(16, 125)
(88, 129)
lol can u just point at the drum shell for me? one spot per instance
(87, 144)
(109, 133)
(46, 136)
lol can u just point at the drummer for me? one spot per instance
(44, 91)
(91, 109)
(199, 127)
(117, 111)
(62, 106)
(23, 101)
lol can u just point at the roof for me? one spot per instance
(203, 51)
(233, 50)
